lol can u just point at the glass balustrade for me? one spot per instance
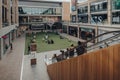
(40, 10)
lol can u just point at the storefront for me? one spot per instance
(64, 29)
(87, 33)
(73, 18)
(116, 17)
(99, 18)
(73, 31)
(6, 42)
(83, 18)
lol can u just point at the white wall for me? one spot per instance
(6, 30)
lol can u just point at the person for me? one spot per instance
(80, 49)
(52, 42)
(61, 56)
(67, 53)
(71, 51)
(11, 46)
(48, 41)
(28, 49)
(54, 58)
(46, 36)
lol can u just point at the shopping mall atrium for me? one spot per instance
(59, 39)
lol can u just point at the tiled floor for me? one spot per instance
(10, 65)
(38, 71)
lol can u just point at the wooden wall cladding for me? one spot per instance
(103, 64)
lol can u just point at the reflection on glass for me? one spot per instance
(39, 10)
(115, 4)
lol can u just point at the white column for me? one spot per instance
(13, 11)
(89, 14)
(78, 32)
(8, 12)
(109, 11)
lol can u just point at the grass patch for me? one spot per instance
(43, 46)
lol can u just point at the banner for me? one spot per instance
(80, 1)
(73, 3)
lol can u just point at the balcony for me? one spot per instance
(40, 11)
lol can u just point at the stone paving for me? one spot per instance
(38, 71)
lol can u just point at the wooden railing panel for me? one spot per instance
(66, 70)
(111, 51)
(73, 69)
(103, 64)
(98, 64)
(116, 60)
(59, 71)
(80, 70)
(119, 62)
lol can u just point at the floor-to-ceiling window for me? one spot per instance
(115, 4)
(73, 31)
(115, 11)
(82, 14)
(73, 18)
(116, 17)
(6, 42)
(98, 6)
(87, 33)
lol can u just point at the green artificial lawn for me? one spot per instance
(42, 46)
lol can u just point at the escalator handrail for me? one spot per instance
(110, 38)
(100, 36)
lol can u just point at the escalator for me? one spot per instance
(102, 64)
(48, 11)
(114, 39)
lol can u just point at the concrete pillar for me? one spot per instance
(109, 12)
(78, 32)
(13, 11)
(16, 12)
(89, 14)
(0, 14)
(68, 29)
(8, 12)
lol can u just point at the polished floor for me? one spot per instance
(10, 65)
(16, 66)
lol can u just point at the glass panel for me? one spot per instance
(40, 10)
(115, 4)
